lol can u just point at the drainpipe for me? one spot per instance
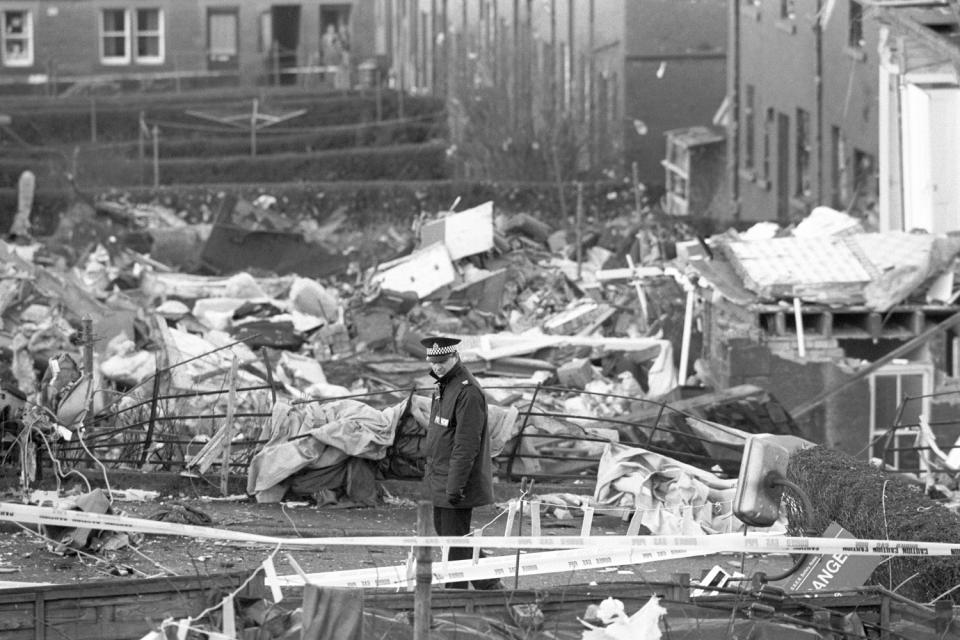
(733, 103)
(818, 34)
(592, 72)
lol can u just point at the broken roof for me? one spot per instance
(877, 270)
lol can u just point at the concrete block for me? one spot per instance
(576, 373)
(374, 328)
(332, 341)
(749, 359)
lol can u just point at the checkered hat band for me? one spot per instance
(437, 350)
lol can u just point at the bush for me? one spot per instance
(270, 142)
(400, 162)
(118, 120)
(871, 504)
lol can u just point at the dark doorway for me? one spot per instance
(286, 40)
(783, 167)
(336, 36)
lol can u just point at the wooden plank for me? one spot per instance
(228, 423)
(39, 618)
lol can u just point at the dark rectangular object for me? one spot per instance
(232, 247)
(110, 610)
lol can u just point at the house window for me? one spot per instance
(748, 128)
(804, 188)
(149, 34)
(787, 9)
(114, 35)
(838, 179)
(899, 396)
(131, 36)
(855, 28)
(767, 142)
(222, 27)
(17, 38)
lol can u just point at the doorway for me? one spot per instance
(286, 41)
(783, 167)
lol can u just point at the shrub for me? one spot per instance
(871, 504)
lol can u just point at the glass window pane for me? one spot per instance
(115, 47)
(886, 401)
(148, 46)
(114, 20)
(148, 20)
(15, 23)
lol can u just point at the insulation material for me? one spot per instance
(874, 269)
(422, 272)
(329, 433)
(464, 234)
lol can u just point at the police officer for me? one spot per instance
(458, 474)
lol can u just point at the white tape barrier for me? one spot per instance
(531, 564)
(717, 543)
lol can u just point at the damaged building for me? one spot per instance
(855, 333)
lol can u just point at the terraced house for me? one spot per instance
(47, 43)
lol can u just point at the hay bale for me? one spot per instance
(872, 504)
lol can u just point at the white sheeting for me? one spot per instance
(673, 497)
(333, 430)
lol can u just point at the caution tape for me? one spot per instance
(530, 564)
(717, 543)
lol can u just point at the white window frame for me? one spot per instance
(158, 34)
(26, 37)
(131, 36)
(903, 437)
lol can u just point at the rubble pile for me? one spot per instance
(187, 326)
(291, 349)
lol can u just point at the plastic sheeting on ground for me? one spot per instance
(672, 497)
(316, 436)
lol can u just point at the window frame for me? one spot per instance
(901, 436)
(132, 35)
(158, 34)
(232, 14)
(26, 59)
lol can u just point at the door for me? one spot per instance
(783, 166)
(286, 40)
(223, 36)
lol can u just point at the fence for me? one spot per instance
(148, 431)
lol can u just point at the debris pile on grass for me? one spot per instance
(872, 504)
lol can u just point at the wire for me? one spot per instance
(106, 479)
(59, 469)
(79, 552)
(242, 586)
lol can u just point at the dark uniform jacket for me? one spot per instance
(458, 443)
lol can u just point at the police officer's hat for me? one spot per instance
(440, 348)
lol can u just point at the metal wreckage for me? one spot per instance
(308, 381)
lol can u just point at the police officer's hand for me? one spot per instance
(455, 498)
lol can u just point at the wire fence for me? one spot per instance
(165, 431)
